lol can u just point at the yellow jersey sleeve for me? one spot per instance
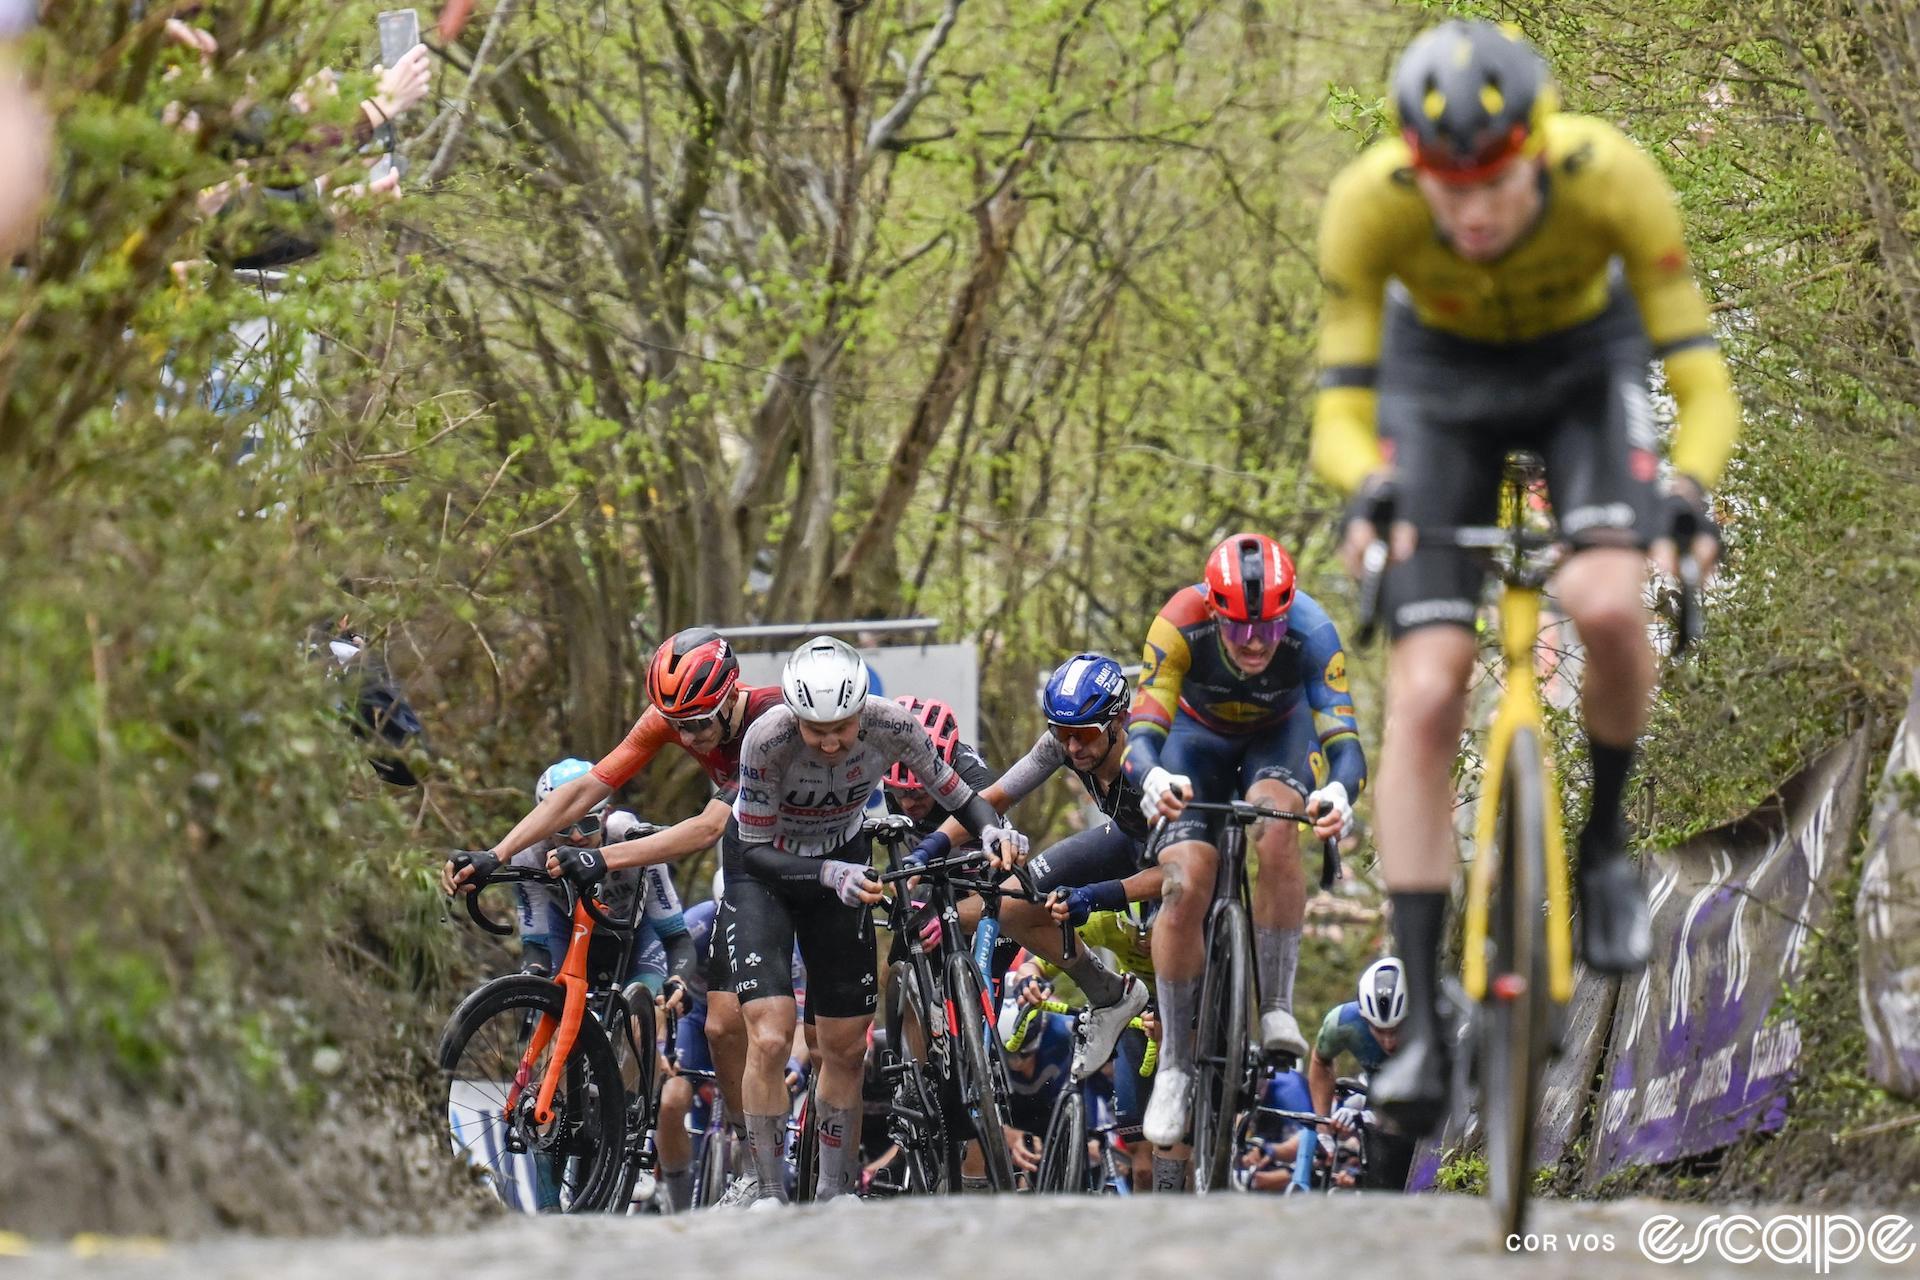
(1164, 662)
(1653, 249)
(1354, 267)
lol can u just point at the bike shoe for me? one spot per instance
(742, 1191)
(1097, 1030)
(1616, 932)
(1413, 1090)
(1279, 1033)
(1165, 1123)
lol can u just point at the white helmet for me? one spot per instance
(825, 681)
(1383, 993)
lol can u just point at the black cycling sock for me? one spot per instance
(1603, 836)
(1417, 921)
(767, 1140)
(1101, 985)
(838, 1128)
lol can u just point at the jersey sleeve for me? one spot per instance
(1329, 694)
(1164, 662)
(662, 903)
(1353, 272)
(755, 811)
(1026, 774)
(972, 767)
(1326, 1045)
(642, 743)
(1652, 247)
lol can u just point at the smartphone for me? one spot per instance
(399, 32)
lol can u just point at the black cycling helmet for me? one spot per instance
(1471, 96)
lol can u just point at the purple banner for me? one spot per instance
(1694, 1059)
(1889, 913)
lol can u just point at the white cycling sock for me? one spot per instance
(839, 1131)
(679, 1185)
(1101, 984)
(1169, 1175)
(1177, 999)
(1276, 954)
(767, 1141)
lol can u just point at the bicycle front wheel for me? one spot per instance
(1063, 1160)
(564, 1166)
(983, 1086)
(806, 1145)
(1513, 1022)
(715, 1146)
(1220, 1046)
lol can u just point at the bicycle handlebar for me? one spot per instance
(505, 874)
(1245, 812)
(1688, 622)
(991, 890)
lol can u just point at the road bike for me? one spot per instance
(1516, 953)
(1076, 1130)
(553, 1087)
(1227, 1058)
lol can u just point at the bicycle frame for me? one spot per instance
(1519, 708)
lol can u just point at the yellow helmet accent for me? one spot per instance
(1491, 98)
(1435, 104)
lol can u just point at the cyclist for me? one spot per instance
(1272, 1145)
(1368, 1030)
(1084, 702)
(1244, 690)
(1039, 1049)
(906, 795)
(796, 870)
(1540, 263)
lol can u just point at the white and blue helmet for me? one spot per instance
(1088, 688)
(1383, 993)
(559, 775)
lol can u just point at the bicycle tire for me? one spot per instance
(715, 1147)
(583, 1144)
(1220, 1047)
(930, 1168)
(806, 1144)
(983, 1093)
(1063, 1160)
(638, 1055)
(1513, 1030)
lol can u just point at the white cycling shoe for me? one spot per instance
(1165, 1123)
(742, 1191)
(1099, 1029)
(1279, 1033)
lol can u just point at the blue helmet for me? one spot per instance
(1088, 688)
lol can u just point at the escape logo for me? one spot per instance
(1813, 1240)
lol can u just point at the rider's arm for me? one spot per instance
(1326, 1052)
(995, 795)
(1143, 886)
(689, 836)
(1346, 445)
(1164, 663)
(1647, 223)
(1320, 1080)
(1324, 663)
(565, 806)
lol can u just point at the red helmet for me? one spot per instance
(941, 725)
(692, 674)
(1249, 579)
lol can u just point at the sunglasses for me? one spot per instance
(1086, 735)
(1241, 634)
(694, 725)
(585, 829)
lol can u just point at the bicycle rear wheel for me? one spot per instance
(635, 1050)
(1220, 1046)
(715, 1147)
(917, 1123)
(1513, 1022)
(984, 1091)
(1063, 1160)
(564, 1166)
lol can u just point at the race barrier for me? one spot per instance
(1696, 1058)
(1888, 911)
